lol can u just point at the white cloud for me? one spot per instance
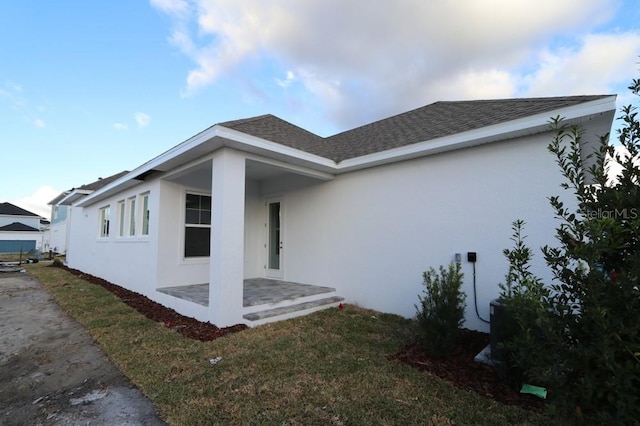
(597, 63)
(361, 60)
(37, 202)
(142, 119)
(120, 126)
(286, 82)
(39, 123)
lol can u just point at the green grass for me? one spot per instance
(330, 367)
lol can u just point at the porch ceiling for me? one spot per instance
(198, 176)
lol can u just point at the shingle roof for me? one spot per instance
(17, 226)
(94, 186)
(277, 130)
(419, 125)
(13, 210)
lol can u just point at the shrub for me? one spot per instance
(581, 337)
(441, 310)
(57, 263)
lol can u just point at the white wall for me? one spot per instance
(173, 269)
(126, 261)
(255, 232)
(372, 233)
(23, 236)
(58, 236)
(32, 221)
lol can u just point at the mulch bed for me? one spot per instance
(464, 372)
(459, 368)
(188, 327)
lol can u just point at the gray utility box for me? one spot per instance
(497, 326)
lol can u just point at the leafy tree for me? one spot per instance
(581, 337)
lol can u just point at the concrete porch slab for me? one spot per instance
(256, 291)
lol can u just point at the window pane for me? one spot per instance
(121, 218)
(145, 215)
(192, 216)
(193, 201)
(197, 241)
(205, 202)
(205, 218)
(132, 217)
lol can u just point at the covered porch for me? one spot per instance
(264, 299)
(238, 245)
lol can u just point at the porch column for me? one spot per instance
(227, 238)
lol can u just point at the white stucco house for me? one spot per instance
(62, 209)
(20, 230)
(252, 206)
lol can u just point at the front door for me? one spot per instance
(275, 238)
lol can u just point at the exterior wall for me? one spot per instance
(255, 233)
(32, 221)
(12, 242)
(58, 229)
(173, 268)
(126, 261)
(59, 213)
(371, 233)
(58, 233)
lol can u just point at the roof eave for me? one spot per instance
(205, 143)
(530, 125)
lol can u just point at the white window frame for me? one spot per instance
(122, 218)
(105, 213)
(145, 213)
(193, 225)
(131, 207)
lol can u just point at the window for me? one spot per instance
(197, 230)
(121, 218)
(145, 214)
(132, 216)
(104, 222)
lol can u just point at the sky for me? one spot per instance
(91, 88)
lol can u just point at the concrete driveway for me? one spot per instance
(51, 372)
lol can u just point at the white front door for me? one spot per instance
(274, 238)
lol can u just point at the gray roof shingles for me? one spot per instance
(13, 210)
(419, 125)
(101, 182)
(17, 226)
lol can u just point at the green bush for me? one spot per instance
(441, 310)
(581, 336)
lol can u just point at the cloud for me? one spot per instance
(39, 123)
(142, 119)
(37, 201)
(361, 62)
(120, 126)
(286, 82)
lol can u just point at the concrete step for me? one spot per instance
(291, 311)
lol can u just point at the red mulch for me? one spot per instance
(459, 368)
(188, 327)
(464, 372)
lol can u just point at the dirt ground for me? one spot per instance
(51, 372)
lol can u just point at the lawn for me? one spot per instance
(330, 367)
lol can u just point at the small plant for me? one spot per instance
(57, 263)
(441, 310)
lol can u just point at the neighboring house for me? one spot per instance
(61, 210)
(19, 229)
(254, 206)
